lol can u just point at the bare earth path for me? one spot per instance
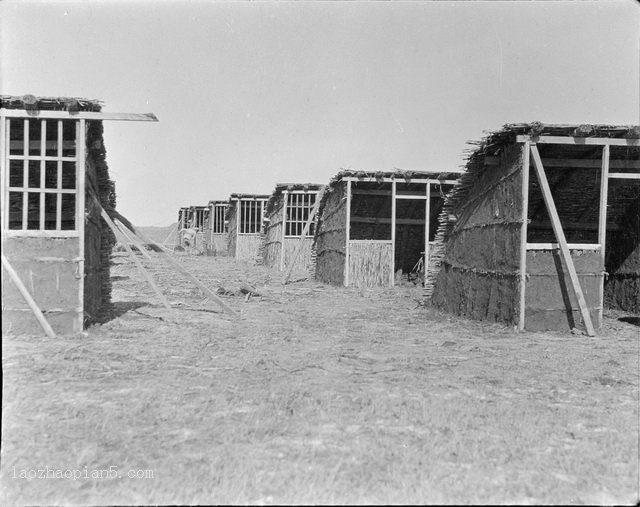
(316, 394)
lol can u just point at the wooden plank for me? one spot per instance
(81, 160)
(562, 242)
(412, 197)
(393, 234)
(347, 235)
(523, 235)
(285, 209)
(4, 172)
(27, 297)
(602, 218)
(177, 265)
(372, 179)
(591, 141)
(80, 115)
(575, 163)
(555, 246)
(625, 176)
(116, 230)
(427, 232)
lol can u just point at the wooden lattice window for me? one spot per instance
(42, 178)
(218, 224)
(299, 208)
(198, 219)
(251, 213)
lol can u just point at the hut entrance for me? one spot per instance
(410, 215)
(392, 226)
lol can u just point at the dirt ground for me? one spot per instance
(315, 394)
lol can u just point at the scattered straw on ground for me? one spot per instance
(316, 394)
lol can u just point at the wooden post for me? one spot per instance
(562, 242)
(393, 233)
(27, 297)
(427, 233)
(116, 230)
(526, 162)
(285, 209)
(307, 226)
(4, 152)
(602, 221)
(347, 235)
(177, 265)
(81, 168)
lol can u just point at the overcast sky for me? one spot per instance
(252, 94)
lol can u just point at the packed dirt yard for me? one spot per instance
(315, 394)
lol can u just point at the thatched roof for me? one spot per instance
(399, 174)
(33, 103)
(493, 144)
(289, 187)
(248, 196)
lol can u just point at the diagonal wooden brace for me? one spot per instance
(562, 241)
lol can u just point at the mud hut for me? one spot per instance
(183, 218)
(287, 212)
(372, 226)
(245, 215)
(191, 227)
(215, 228)
(55, 246)
(542, 230)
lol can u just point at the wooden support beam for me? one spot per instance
(524, 189)
(116, 230)
(590, 141)
(427, 232)
(602, 219)
(80, 115)
(625, 176)
(347, 235)
(177, 265)
(555, 246)
(562, 242)
(392, 268)
(81, 173)
(372, 179)
(44, 323)
(575, 163)
(305, 231)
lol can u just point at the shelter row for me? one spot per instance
(541, 230)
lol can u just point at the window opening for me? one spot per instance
(218, 219)
(299, 208)
(42, 186)
(250, 216)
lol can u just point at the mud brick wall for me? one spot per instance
(273, 235)
(49, 269)
(550, 302)
(480, 265)
(330, 237)
(622, 285)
